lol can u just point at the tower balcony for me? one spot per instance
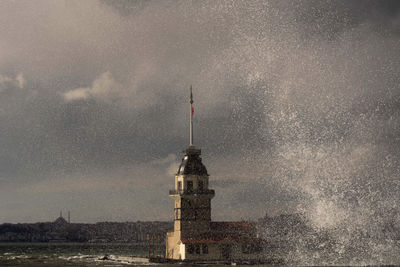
(192, 192)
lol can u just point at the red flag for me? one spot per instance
(192, 111)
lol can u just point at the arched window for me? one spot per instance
(201, 185)
(190, 186)
(205, 249)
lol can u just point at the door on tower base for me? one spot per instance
(226, 251)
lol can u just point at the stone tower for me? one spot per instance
(192, 207)
(192, 197)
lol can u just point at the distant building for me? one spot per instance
(60, 220)
(195, 237)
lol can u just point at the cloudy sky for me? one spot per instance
(297, 108)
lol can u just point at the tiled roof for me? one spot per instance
(218, 239)
(226, 226)
(199, 241)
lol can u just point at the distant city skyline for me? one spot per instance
(296, 108)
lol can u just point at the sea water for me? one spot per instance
(77, 254)
(72, 254)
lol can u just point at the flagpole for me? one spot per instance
(191, 117)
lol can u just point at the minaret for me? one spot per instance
(192, 197)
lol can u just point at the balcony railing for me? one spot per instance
(192, 192)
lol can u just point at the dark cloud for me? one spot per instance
(296, 107)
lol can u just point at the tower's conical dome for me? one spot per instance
(191, 163)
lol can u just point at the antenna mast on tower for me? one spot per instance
(191, 117)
